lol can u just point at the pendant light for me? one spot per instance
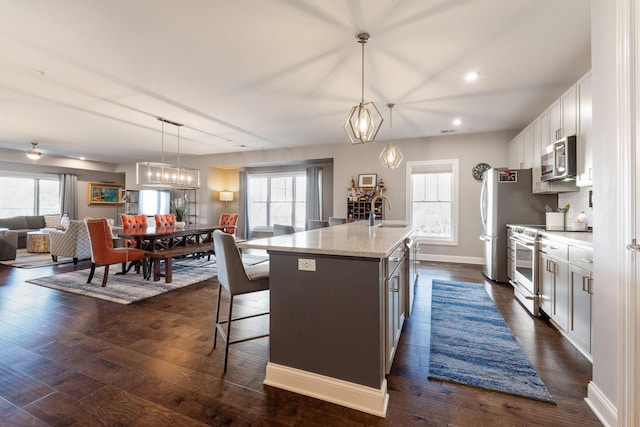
(34, 154)
(391, 156)
(161, 174)
(364, 120)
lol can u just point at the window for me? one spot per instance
(433, 193)
(29, 196)
(278, 198)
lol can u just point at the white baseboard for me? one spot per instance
(601, 406)
(451, 258)
(355, 396)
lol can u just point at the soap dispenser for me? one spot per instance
(372, 219)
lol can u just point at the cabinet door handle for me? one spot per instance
(394, 259)
(633, 247)
(585, 284)
(587, 260)
(590, 285)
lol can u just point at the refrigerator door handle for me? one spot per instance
(483, 202)
(484, 238)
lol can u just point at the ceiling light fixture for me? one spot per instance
(161, 174)
(456, 122)
(34, 154)
(471, 76)
(364, 120)
(391, 156)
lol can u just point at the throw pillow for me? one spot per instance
(52, 221)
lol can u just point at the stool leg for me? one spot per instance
(215, 327)
(226, 344)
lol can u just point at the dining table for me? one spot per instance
(164, 243)
(158, 238)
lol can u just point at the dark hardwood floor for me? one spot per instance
(67, 360)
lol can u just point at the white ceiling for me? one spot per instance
(90, 77)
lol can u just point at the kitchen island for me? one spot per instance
(337, 303)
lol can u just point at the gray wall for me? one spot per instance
(351, 160)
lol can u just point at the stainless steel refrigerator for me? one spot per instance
(506, 198)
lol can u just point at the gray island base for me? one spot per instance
(331, 335)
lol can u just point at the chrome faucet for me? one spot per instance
(379, 196)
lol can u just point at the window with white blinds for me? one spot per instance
(433, 200)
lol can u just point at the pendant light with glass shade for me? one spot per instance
(34, 154)
(391, 156)
(364, 120)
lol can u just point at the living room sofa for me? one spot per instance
(24, 223)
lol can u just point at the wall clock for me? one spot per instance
(479, 169)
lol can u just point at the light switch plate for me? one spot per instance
(305, 264)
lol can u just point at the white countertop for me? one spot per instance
(584, 238)
(356, 239)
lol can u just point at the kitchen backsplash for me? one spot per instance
(579, 202)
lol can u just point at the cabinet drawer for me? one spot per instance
(581, 257)
(394, 260)
(556, 249)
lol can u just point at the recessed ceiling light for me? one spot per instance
(456, 122)
(81, 158)
(471, 76)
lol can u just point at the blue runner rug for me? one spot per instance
(471, 344)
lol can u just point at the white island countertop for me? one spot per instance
(355, 239)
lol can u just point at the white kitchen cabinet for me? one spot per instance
(516, 152)
(579, 328)
(395, 304)
(563, 115)
(554, 281)
(584, 144)
(581, 283)
(528, 147)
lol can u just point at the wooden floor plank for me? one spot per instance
(72, 360)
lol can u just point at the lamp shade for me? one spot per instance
(226, 196)
(34, 153)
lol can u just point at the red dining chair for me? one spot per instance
(133, 221)
(168, 220)
(229, 221)
(103, 252)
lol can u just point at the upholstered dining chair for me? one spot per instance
(167, 220)
(70, 243)
(133, 221)
(280, 229)
(103, 252)
(317, 223)
(334, 220)
(229, 221)
(235, 279)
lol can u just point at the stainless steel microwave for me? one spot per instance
(560, 163)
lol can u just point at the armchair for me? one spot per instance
(103, 252)
(8, 244)
(229, 221)
(71, 243)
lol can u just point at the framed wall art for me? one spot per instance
(367, 180)
(104, 194)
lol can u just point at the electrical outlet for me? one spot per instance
(306, 264)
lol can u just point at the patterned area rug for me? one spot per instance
(26, 259)
(132, 287)
(471, 344)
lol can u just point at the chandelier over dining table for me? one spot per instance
(161, 174)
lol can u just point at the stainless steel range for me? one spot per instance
(524, 271)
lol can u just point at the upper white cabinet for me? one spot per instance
(563, 116)
(584, 144)
(516, 152)
(568, 115)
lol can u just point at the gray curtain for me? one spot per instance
(314, 200)
(69, 194)
(242, 228)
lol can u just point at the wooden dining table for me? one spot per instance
(149, 238)
(163, 243)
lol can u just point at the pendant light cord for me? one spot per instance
(362, 98)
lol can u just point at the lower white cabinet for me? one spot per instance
(579, 329)
(566, 288)
(396, 278)
(554, 288)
